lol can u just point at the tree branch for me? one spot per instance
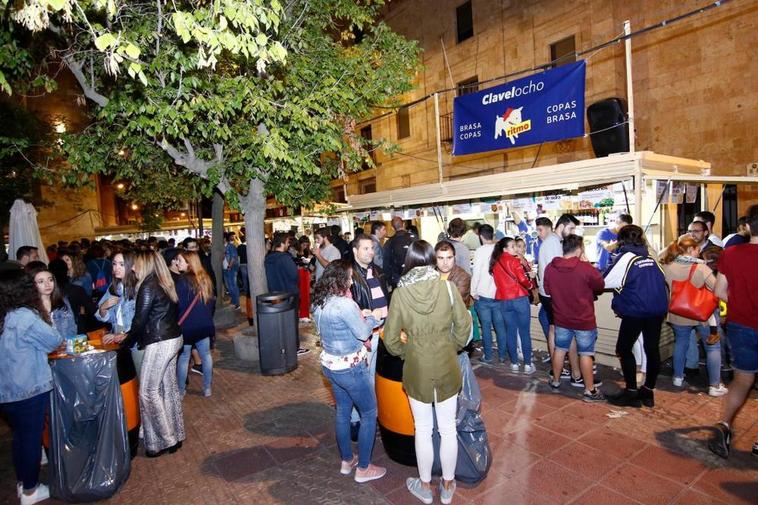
(76, 68)
(196, 165)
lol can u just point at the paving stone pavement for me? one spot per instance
(269, 440)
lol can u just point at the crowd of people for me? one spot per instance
(497, 283)
(423, 303)
(153, 299)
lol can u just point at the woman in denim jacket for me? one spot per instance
(53, 301)
(116, 307)
(25, 378)
(344, 334)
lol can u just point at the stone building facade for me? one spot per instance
(694, 81)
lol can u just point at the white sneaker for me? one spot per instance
(717, 391)
(515, 368)
(41, 493)
(678, 381)
(529, 369)
(346, 467)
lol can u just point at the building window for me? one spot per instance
(367, 185)
(464, 17)
(468, 86)
(403, 123)
(338, 194)
(367, 136)
(563, 52)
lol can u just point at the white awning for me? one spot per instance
(700, 179)
(563, 176)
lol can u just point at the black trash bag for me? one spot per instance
(474, 454)
(90, 457)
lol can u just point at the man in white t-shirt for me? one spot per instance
(324, 251)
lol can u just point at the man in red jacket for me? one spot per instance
(572, 283)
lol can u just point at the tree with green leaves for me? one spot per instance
(245, 97)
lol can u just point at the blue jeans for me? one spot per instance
(245, 279)
(744, 344)
(491, 315)
(544, 322)
(182, 364)
(353, 387)
(585, 340)
(692, 358)
(230, 279)
(27, 418)
(682, 344)
(355, 416)
(518, 317)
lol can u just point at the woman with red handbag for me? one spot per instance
(691, 284)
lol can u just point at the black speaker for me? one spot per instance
(609, 130)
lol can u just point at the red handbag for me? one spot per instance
(691, 302)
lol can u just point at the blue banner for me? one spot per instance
(539, 108)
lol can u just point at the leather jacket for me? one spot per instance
(462, 281)
(510, 279)
(155, 316)
(360, 290)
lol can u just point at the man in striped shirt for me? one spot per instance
(370, 293)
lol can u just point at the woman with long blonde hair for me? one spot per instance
(155, 329)
(196, 307)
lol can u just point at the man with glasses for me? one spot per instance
(709, 251)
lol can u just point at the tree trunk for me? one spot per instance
(255, 213)
(217, 245)
(2, 238)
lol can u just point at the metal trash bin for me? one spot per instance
(277, 324)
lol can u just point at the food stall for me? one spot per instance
(594, 190)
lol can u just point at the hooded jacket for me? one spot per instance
(436, 330)
(639, 284)
(281, 272)
(572, 284)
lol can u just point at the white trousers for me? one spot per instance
(423, 421)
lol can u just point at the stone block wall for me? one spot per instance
(694, 81)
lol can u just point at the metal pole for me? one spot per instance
(637, 193)
(629, 84)
(439, 135)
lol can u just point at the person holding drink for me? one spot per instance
(117, 304)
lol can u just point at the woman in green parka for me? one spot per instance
(427, 325)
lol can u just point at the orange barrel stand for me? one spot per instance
(127, 377)
(394, 411)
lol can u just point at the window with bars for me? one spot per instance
(470, 85)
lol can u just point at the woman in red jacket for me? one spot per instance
(513, 286)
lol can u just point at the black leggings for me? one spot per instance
(630, 330)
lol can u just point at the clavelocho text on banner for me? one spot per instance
(539, 108)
